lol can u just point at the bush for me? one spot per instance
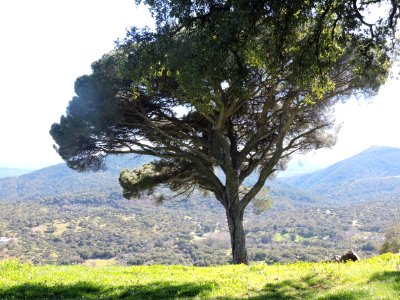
(392, 241)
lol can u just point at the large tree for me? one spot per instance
(239, 85)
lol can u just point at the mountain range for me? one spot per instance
(12, 172)
(369, 175)
(57, 215)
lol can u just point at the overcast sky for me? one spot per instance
(47, 44)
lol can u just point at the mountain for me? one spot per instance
(82, 218)
(60, 181)
(12, 172)
(371, 174)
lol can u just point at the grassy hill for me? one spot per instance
(375, 278)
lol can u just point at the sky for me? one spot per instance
(46, 44)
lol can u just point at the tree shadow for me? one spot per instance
(303, 288)
(346, 295)
(390, 278)
(306, 287)
(88, 290)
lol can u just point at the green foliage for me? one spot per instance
(255, 81)
(375, 278)
(82, 218)
(262, 202)
(81, 229)
(392, 240)
(173, 174)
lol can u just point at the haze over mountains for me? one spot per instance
(371, 174)
(12, 172)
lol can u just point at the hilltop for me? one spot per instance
(12, 172)
(370, 175)
(59, 181)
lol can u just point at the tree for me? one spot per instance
(392, 240)
(238, 85)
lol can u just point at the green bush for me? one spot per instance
(392, 241)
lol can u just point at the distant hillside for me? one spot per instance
(82, 218)
(60, 181)
(12, 172)
(371, 174)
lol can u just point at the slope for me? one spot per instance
(11, 172)
(60, 181)
(371, 174)
(375, 278)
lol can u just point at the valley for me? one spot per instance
(58, 216)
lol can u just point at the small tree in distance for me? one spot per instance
(392, 240)
(239, 85)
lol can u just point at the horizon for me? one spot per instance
(292, 169)
(81, 33)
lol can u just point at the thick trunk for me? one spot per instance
(238, 238)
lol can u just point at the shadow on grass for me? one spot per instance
(87, 290)
(307, 287)
(346, 295)
(310, 286)
(302, 288)
(390, 278)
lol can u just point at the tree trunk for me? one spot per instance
(238, 238)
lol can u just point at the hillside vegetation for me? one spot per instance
(373, 174)
(81, 218)
(375, 278)
(369, 175)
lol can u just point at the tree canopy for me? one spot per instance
(239, 85)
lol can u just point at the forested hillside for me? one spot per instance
(193, 231)
(59, 181)
(370, 175)
(56, 215)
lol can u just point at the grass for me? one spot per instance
(60, 228)
(100, 262)
(375, 278)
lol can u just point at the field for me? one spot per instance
(374, 278)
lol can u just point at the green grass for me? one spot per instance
(375, 278)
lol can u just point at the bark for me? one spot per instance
(238, 237)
